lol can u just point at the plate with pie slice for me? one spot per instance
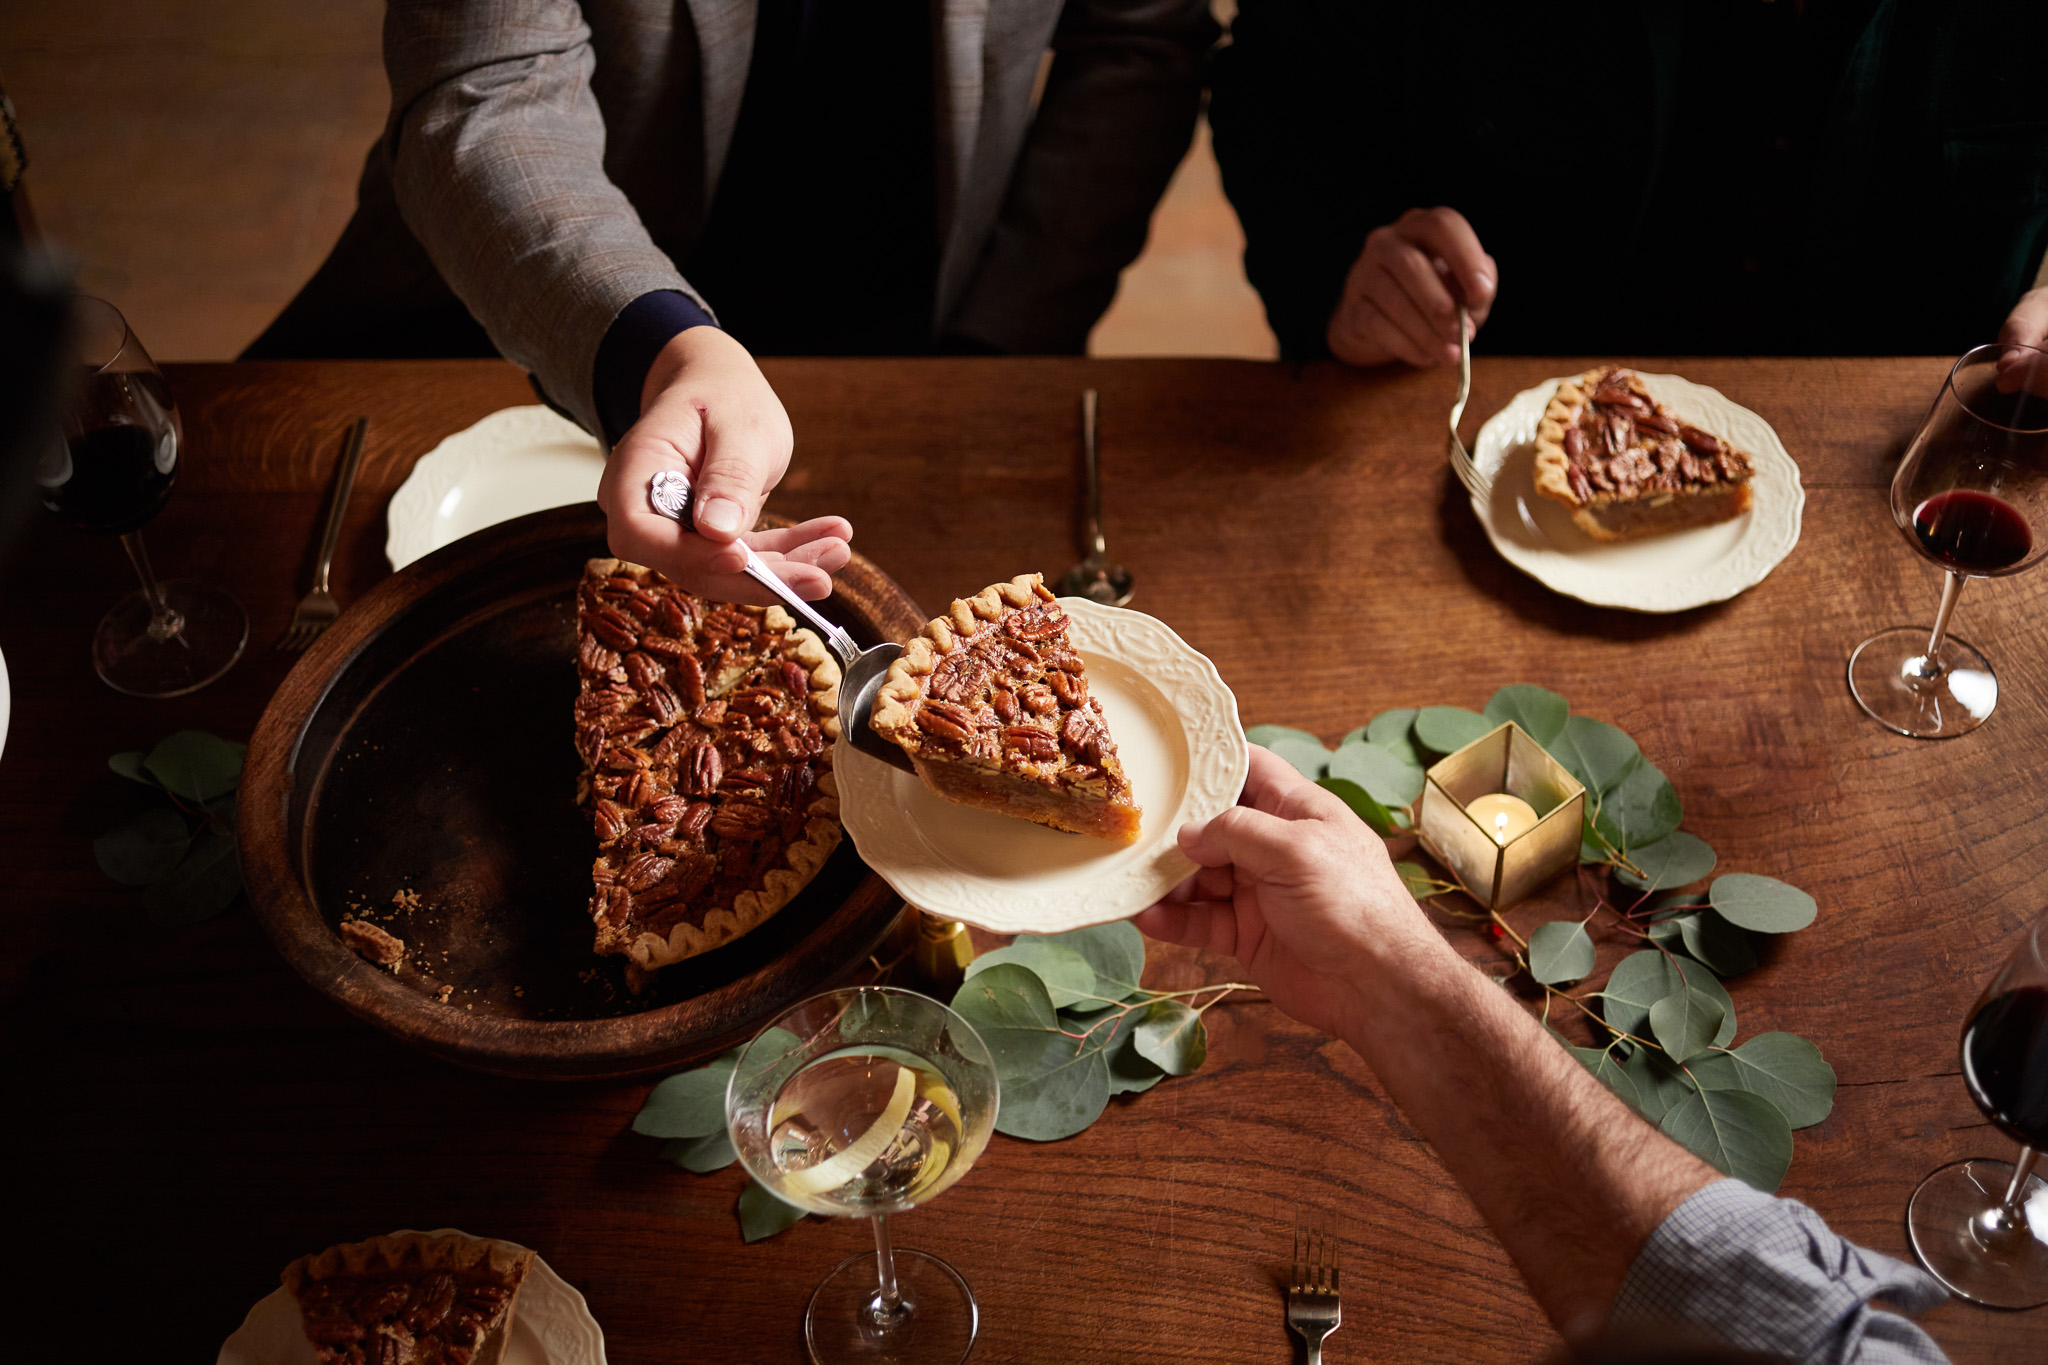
(545, 1321)
(1645, 492)
(1069, 716)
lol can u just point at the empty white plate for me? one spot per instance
(515, 461)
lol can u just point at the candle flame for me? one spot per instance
(1500, 828)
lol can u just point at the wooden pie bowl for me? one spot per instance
(422, 745)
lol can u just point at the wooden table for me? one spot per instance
(187, 1116)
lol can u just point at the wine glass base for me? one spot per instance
(1942, 1221)
(212, 632)
(1882, 678)
(938, 1329)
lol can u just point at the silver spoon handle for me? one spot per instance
(669, 493)
(1091, 529)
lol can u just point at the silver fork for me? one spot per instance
(1461, 459)
(1313, 1309)
(317, 609)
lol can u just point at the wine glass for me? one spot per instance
(1971, 495)
(1987, 1247)
(114, 471)
(864, 1103)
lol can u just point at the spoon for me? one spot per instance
(1096, 577)
(862, 670)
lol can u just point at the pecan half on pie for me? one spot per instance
(706, 732)
(1627, 468)
(991, 703)
(410, 1299)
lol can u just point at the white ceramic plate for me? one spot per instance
(552, 1326)
(1662, 573)
(1176, 731)
(515, 461)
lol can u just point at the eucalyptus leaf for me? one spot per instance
(144, 849)
(1447, 729)
(196, 765)
(690, 1104)
(1391, 780)
(1064, 1091)
(1611, 1071)
(1537, 710)
(1418, 879)
(1706, 936)
(702, 1155)
(1644, 977)
(200, 887)
(1641, 809)
(1763, 904)
(129, 765)
(1010, 1008)
(1298, 747)
(1172, 1037)
(1596, 753)
(1737, 1132)
(763, 1214)
(1560, 951)
(1677, 859)
(1068, 978)
(1685, 1022)
(1784, 1068)
(1130, 1071)
(1116, 952)
(1376, 816)
(1660, 1086)
(1394, 731)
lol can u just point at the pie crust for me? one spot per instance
(706, 732)
(1627, 467)
(991, 703)
(411, 1298)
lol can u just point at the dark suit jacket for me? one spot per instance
(1662, 176)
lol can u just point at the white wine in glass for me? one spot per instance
(865, 1103)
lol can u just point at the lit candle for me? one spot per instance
(1505, 817)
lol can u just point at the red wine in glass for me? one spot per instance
(1989, 1248)
(115, 471)
(1971, 495)
(1972, 533)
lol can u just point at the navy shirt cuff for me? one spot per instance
(628, 350)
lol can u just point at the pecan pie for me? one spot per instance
(410, 1299)
(991, 703)
(1627, 468)
(706, 731)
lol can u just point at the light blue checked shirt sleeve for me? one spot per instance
(1767, 1275)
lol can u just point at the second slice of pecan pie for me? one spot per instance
(414, 1297)
(991, 703)
(707, 733)
(1627, 468)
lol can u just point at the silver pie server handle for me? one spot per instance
(669, 493)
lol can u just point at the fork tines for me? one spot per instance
(1318, 1256)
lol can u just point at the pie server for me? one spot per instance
(670, 494)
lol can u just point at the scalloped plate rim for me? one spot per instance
(412, 514)
(1771, 534)
(872, 803)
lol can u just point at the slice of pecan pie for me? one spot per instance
(706, 732)
(991, 703)
(412, 1298)
(1627, 468)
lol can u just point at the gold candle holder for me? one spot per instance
(1503, 760)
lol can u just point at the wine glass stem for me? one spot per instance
(1950, 591)
(2014, 1205)
(164, 624)
(887, 1307)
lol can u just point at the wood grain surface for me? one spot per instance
(189, 1116)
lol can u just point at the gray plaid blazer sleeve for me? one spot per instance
(1767, 1275)
(496, 151)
